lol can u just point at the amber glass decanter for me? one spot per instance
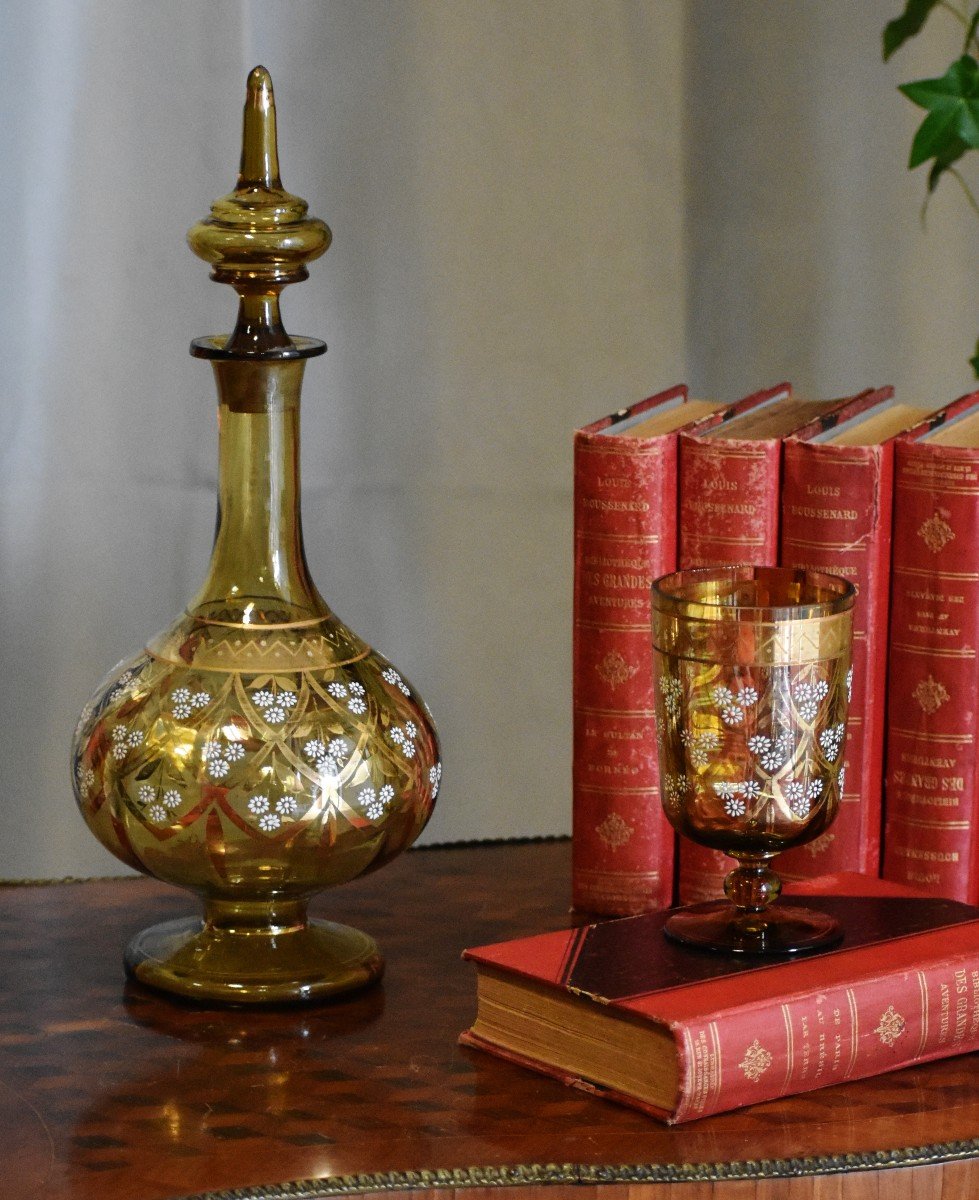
(257, 751)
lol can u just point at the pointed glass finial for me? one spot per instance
(259, 148)
(258, 238)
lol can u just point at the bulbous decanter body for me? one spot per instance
(257, 751)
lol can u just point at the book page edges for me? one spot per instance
(675, 396)
(603, 1045)
(670, 420)
(878, 428)
(961, 434)
(942, 417)
(475, 1042)
(772, 420)
(672, 412)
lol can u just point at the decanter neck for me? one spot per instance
(258, 573)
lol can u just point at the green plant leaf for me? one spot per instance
(975, 361)
(952, 102)
(944, 161)
(960, 82)
(936, 137)
(897, 32)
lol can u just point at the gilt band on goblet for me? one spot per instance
(752, 668)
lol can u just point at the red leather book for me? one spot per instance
(836, 516)
(730, 484)
(625, 498)
(931, 834)
(616, 1009)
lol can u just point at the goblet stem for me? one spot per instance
(749, 921)
(752, 886)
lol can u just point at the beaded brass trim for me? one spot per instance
(537, 1174)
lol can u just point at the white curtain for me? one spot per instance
(542, 210)
(503, 180)
(807, 257)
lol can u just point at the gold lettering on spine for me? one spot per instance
(712, 507)
(597, 504)
(961, 1005)
(974, 1024)
(714, 1067)
(837, 1040)
(700, 1072)
(944, 1013)
(688, 1079)
(716, 1041)
(811, 513)
(605, 560)
(806, 1046)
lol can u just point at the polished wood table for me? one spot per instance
(109, 1091)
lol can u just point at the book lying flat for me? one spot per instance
(616, 1009)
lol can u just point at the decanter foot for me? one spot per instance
(320, 960)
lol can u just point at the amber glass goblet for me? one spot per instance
(752, 668)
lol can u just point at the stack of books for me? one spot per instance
(882, 492)
(887, 495)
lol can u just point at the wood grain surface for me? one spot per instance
(109, 1091)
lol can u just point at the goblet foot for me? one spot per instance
(781, 929)
(252, 964)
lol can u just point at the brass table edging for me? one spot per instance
(550, 1174)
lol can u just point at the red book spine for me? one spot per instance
(836, 516)
(625, 536)
(728, 501)
(728, 514)
(930, 780)
(827, 1035)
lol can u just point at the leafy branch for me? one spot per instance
(951, 101)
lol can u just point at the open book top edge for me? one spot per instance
(881, 423)
(668, 418)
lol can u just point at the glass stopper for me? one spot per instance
(258, 239)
